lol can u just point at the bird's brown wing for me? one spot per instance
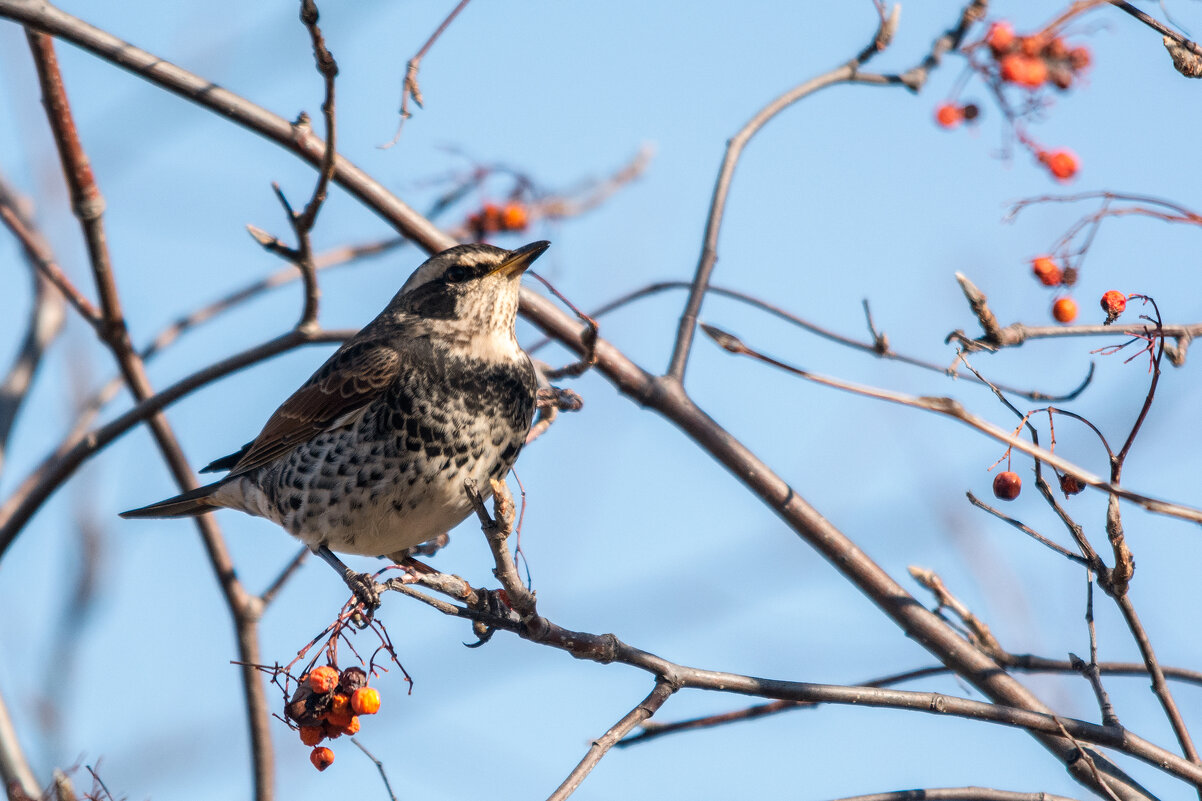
(346, 383)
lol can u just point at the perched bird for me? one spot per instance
(370, 455)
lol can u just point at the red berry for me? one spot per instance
(1065, 310)
(1079, 58)
(1114, 303)
(949, 115)
(1007, 485)
(1000, 37)
(321, 758)
(1046, 271)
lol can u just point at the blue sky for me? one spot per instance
(852, 194)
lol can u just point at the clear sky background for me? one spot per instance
(629, 529)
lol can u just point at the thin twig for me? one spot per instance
(877, 347)
(410, 88)
(951, 408)
(649, 706)
(379, 767)
(734, 150)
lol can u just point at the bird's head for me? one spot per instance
(468, 290)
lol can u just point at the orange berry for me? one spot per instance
(366, 701)
(311, 735)
(352, 728)
(330, 730)
(1056, 48)
(1000, 37)
(1029, 71)
(321, 758)
(948, 115)
(1079, 58)
(339, 714)
(1060, 163)
(514, 217)
(1114, 303)
(1046, 271)
(1007, 485)
(323, 679)
(1065, 310)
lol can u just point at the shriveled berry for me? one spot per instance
(352, 679)
(1007, 485)
(366, 701)
(1046, 270)
(1079, 58)
(322, 758)
(1000, 37)
(1070, 484)
(1056, 48)
(1114, 303)
(352, 728)
(323, 679)
(311, 735)
(948, 115)
(1064, 310)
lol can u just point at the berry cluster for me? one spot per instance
(1049, 273)
(493, 219)
(1029, 62)
(327, 705)
(1032, 61)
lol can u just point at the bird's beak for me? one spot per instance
(518, 260)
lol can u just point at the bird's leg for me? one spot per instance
(361, 584)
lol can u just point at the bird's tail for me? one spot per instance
(189, 504)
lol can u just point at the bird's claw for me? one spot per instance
(363, 585)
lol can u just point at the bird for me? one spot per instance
(370, 456)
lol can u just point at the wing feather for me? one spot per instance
(335, 395)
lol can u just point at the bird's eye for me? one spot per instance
(456, 273)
